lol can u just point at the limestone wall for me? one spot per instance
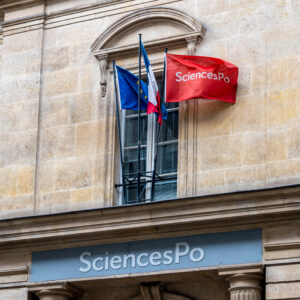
(254, 143)
(57, 145)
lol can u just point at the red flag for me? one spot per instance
(190, 77)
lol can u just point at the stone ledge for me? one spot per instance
(215, 212)
(17, 275)
(282, 246)
(8, 4)
(24, 270)
(23, 24)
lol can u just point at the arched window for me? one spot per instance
(161, 28)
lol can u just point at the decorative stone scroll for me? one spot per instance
(103, 60)
(156, 291)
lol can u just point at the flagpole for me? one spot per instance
(119, 134)
(158, 130)
(139, 124)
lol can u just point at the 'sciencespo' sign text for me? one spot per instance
(147, 256)
(143, 259)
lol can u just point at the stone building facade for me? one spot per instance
(238, 166)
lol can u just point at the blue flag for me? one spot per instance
(128, 87)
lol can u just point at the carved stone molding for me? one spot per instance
(19, 25)
(103, 62)
(188, 23)
(191, 45)
(62, 291)
(245, 286)
(156, 292)
(244, 283)
(104, 47)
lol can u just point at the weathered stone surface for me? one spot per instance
(276, 144)
(17, 206)
(73, 173)
(210, 182)
(213, 118)
(18, 116)
(17, 148)
(284, 43)
(208, 7)
(16, 181)
(85, 195)
(283, 273)
(219, 152)
(88, 79)
(294, 142)
(53, 202)
(82, 107)
(286, 290)
(57, 142)
(56, 58)
(87, 138)
(283, 172)
(254, 148)
(23, 88)
(81, 54)
(223, 147)
(277, 72)
(258, 77)
(283, 107)
(245, 178)
(22, 63)
(45, 177)
(55, 111)
(61, 82)
(244, 80)
(248, 114)
(13, 294)
(22, 42)
(246, 49)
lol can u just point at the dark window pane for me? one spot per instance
(131, 131)
(131, 160)
(130, 112)
(167, 158)
(169, 129)
(165, 190)
(131, 193)
(171, 105)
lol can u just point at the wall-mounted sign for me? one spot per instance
(190, 252)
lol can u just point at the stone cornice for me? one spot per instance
(215, 212)
(83, 8)
(19, 25)
(154, 45)
(80, 13)
(186, 22)
(8, 4)
(21, 270)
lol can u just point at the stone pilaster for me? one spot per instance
(244, 283)
(54, 295)
(245, 287)
(56, 292)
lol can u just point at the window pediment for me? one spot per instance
(153, 21)
(161, 27)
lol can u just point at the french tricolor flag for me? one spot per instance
(153, 93)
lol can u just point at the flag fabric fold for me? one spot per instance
(190, 77)
(128, 89)
(154, 103)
